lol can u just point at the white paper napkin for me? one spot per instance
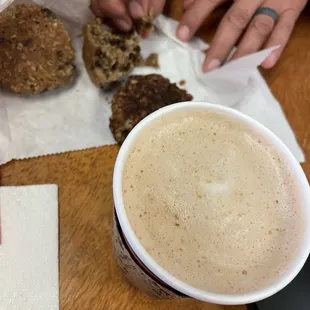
(4, 4)
(237, 84)
(78, 118)
(29, 248)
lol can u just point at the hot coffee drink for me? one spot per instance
(212, 201)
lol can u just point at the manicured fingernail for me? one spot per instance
(188, 3)
(122, 24)
(183, 33)
(136, 9)
(213, 64)
(270, 61)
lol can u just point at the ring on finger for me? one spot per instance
(269, 12)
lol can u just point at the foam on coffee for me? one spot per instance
(212, 202)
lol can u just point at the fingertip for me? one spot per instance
(188, 3)
(95, 9)
(135, 9)
(204, 68)
(270, 61)
(210, 64)
(183, 33)
(123, 24)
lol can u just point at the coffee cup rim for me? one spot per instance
(161, 273)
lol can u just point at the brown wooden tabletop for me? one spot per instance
(89, 276)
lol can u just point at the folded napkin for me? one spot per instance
(4, 4)
(29, 248)
(78, 117)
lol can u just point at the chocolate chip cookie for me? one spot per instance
(139, 97)
(108, 54)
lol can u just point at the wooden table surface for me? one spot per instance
(89, 276)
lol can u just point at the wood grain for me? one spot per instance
(89, 277)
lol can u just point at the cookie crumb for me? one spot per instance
(151, 61)
(144, 26)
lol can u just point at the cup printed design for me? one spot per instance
(135, 271)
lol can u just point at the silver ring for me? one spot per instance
(269, 12)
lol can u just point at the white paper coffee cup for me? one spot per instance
(143, 271)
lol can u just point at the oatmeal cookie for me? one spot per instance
(35, 50)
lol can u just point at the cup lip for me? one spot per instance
(165, 276)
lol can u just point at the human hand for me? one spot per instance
(123, 12)
(257, 30)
